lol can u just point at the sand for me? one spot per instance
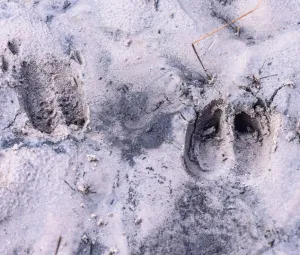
(114, 141)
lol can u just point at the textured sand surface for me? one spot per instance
(113, 141)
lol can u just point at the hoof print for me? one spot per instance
(51, 95)
(250, 138)
(245, 124)
(203, 138)
(69, 100)
(38, 98)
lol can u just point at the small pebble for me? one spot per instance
(138, 221)
(101, 222)
(85, 239)
(113, 251)
(128, 43)
(290, 136)
(92, 158)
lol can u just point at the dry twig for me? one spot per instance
(58, 245)
(209, 77)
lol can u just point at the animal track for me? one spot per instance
(69, 100)
(250, 131)
(212, 136)
(244, 124)
(204, 136)
(50, 95)
(38, 96)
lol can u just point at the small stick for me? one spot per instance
(218, 29)
(233, 26)
(270, 101)
(207, 74)
(260, 69)
(91, 248)
(267, 76)
(156, 3)
(69, 185)
(58, 245)
(66, 5)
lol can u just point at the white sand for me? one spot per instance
(113, 140)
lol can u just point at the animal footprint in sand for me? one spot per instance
(251, 136)
(51, 95)
(213, 138)
(203, 137)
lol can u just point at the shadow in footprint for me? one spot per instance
(51, 95)
(38, 97)
(14, 46)
(90, 248)
(4, 66)
(245, 125)
(204, 139)
(70, 102)
(249, 138)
